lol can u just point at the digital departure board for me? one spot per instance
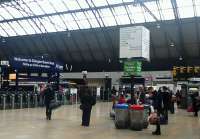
(183, 73)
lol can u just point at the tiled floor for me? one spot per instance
(31, 124)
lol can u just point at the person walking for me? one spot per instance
(48, 96)
(157, 104)
(87, 101)
(194, 103)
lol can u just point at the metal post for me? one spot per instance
(56, 97)
(21, 100)
(13, 101)
(28, 100)
(36, 100)
(4, 101)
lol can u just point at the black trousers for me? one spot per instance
(48, 111)
(158, 122)
(86, 116)
(165, 113)
(172, 108)
(194, 105)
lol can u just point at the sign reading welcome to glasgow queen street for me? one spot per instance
(35, 64)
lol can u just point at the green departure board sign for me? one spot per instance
(132, 68)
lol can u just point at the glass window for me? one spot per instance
(114, 1)
(9, 29)
(35, 8)
(46, 6)
(48, 25)
(83, 4)
(198, 10)
(123, 19)
(59, 23)
(152, 6)
(37, 25)
(27, 26)
(120, 10)
(168, 14)
(98, 2)
(71, 4)
(5, 14)
(181, 3)
(2, 32)
(197, 2)
(186, 12)
(165, 4)
(18, 28)
(58, 5)
(138, 18)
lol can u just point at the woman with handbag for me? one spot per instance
(49, 96)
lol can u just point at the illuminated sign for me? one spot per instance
(183, 73)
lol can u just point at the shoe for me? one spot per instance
(156, 133)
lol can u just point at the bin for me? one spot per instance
(136, 117)
(146, 115)
(121, 116)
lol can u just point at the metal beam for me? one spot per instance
(70, 11)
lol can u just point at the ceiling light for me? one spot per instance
(172, 44)
(158, 26)
(180, 58)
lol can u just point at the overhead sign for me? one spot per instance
(132, 68)
(182, 73)
(135, 42)
(35, 64)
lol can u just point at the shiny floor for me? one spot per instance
(31, 124)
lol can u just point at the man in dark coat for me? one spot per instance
(49, 96)
(87, 101)
(194, 103)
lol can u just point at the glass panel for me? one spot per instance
(60, 26)
(180, 3)
(83, 4)
(152, 6)
(148, 17)
(186, 12)
(120, 10)
(2, 32)
(46, 6)
(94, 23)
(92, 19)
(165, 4)
(71, 4)
(109, 21)
(5, 14)
(123, 19)
(29, 29)
(168, 14)
(99, 2)
(37, 25)
(58, 5)
(198, 10)
(138, 18)
(17, 28)
(70, 21)
(35, 8)
(82, 20)
(14, 12)
(48, 25)
(197, 2)
(114, 1)
(8, 29)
